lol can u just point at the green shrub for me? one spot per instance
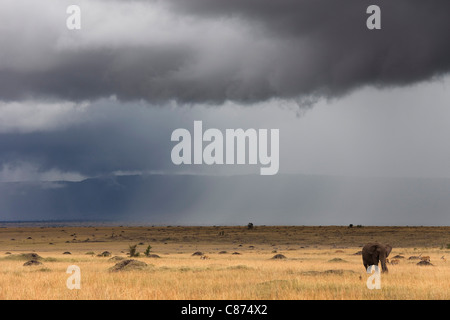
(147, 251)
(132, 251)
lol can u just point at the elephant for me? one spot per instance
(374, 252)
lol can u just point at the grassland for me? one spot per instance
(321, 262)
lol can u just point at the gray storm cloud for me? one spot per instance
(79, 106)
(212, 51)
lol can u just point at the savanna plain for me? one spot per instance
(220, 262)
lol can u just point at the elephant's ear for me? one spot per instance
(388, 250)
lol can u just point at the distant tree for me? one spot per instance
(147, 251)
(132, 251)
(250, 226)
(350, 225)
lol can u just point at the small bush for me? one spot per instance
(147, 251)
(132, 251)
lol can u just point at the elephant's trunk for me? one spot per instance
(384, 267)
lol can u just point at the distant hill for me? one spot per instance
(200, 200)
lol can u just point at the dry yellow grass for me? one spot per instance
(304, 274)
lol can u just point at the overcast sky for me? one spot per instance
(105, 99)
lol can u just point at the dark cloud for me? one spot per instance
(341, 52)
(112, 139)
(241, 50)
(129, 73)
